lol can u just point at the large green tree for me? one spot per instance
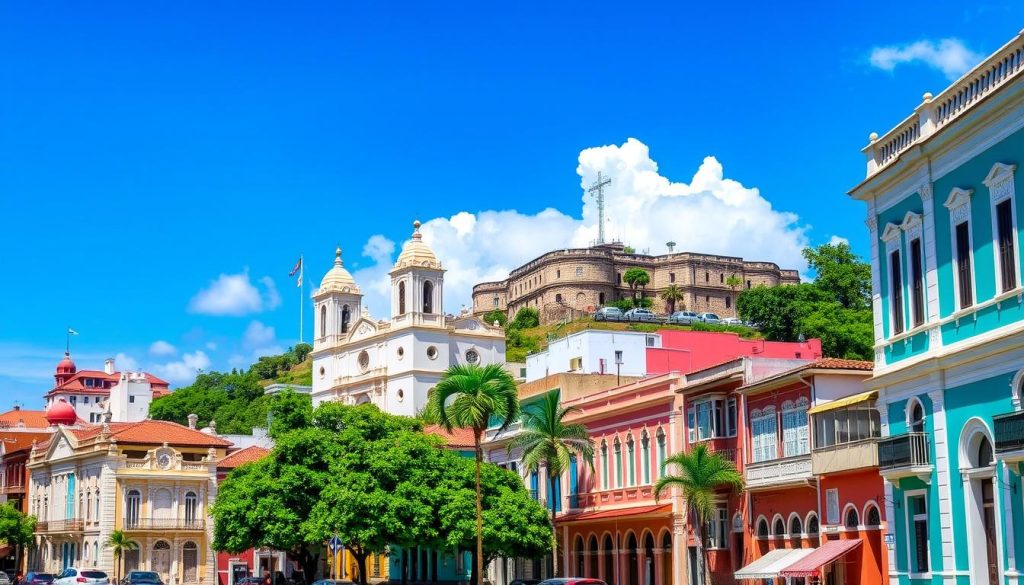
(16, 528)
(699, 475)
(835, 307)
(637, 279)
(470, 397)
(548, 440)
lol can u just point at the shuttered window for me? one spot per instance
(897, 292)
(963, 264)
(1007, 255)
(917, 283)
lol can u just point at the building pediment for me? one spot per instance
(958, 198)
(61, 446)
(362, 329)
(472, 324)
(911, 220)
(891, 233)
(999, 173)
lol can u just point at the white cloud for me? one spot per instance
(711, 214)
(125, 363)
(950, 56)
(183, 371)
(161, 347)
(257, 334)
(836, 240)
(211, 345)
(235, 294)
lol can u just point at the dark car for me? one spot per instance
(33, 578)
(572, 581)
(142, 578)
(525, 582)
(249, 581)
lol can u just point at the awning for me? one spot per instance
(848, 401)
(768, 566)
(618, 513)
(5, 551)
(830, 551)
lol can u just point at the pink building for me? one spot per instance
(689, 351)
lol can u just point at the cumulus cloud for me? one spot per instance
(183, 371)
(125, 363)
(161, 348)
(236, 295)
(950, 56)
(836, 240)
(711, 213)
(261, 340)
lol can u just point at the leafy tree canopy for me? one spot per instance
(496, 315)
(16, 528)
(525, 318)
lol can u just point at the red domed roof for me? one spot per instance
(66, 366)
(61, 413)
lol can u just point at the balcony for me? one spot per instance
(614, 497)
(69, 525)
(12, 489)
(905, 455)
(845, 457)
(779, 472)
(134, 524)
(1009, 436)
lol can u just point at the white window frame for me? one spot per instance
(802, 438)
(711, 404)
(766, 444)
(1000, 188)
(959, 205)
(892, 236)
(718, 527)
(910, 520)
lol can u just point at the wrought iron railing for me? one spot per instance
(163, 524)
(1009, 431)
(907, 450)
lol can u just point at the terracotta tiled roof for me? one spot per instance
(76, 382)
(458, 438)
(243, 456)
(23, 440)
(618, 513)
(153, 432)
(819, 364)
(29, 419)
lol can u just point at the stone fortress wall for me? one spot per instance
(568, 283)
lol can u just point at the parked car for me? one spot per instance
(5, 579)
(33, 578)
(249, 581)
(682, 318)
(332, 582)
(641, 315)
(142, 578)
(573, 581)
(525, 582)
(709, 318)
(732, 321)
(608, 314)
(76, 575)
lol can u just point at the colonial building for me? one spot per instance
(19, 431)
(948, 305)
(88, 391)
(154, 480)
(394, 363)
(566, 283)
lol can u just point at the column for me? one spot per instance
(659, 578)
(942, 476)
(930, 260)
(1006, 479)
(876, 282)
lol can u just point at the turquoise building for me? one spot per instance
(943, 208)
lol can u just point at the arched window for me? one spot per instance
(779, 528)
(872, 518)
(917, 417)
(618, 462)
(983, 454)
(812, 524)
(630, 461)
(323, 321)
(581, 567)
(609, 558)
(604, 465)
(191, 505)
(190, 562)
(852, 521)
(133, 504)
(593, 552)
(645, 456)
(795, 530)
(346, 316)
(401, 298)
(662, 453)
(428, 297)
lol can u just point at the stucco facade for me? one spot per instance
(567, 283)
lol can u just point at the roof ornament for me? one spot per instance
(416, 235)
(337, 256)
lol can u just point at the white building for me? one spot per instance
(394, 363)
(594, 351)
(88, 391)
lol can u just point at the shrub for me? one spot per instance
(496, 315)
(526, 318)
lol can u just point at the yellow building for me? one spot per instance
(154, 480)
(376, 566)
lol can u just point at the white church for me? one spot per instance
(394, 363)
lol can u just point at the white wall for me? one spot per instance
(833, 387)
(593, 346)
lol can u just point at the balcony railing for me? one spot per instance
(71, 525)
(12, 489)
(1009, 432)
(903, 452)
(615, 496)
(779, 472)
(163, 524)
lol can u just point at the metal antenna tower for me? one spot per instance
(598, 188)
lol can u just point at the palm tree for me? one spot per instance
(120, 544)
(671, 295)
(470, 397)
(547, 439)
(699, 475)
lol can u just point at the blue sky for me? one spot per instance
(149, 152)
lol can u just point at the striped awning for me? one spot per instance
(768, 566)
(810, 566)
(848, 401)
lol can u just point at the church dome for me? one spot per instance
(61, 413)
(66, 366)
(417, 253)
(337, 278)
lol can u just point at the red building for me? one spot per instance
(793, 474)
(690, 351)
(253, 562)
(19, 431)
(88, 390)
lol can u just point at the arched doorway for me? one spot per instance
(916, 417)
(581, 565)
(190, 563)
(666, 559)
(649, 578)
(609, 560)
(978, 466)
(160, 560)
(633, 569)
(594, 556)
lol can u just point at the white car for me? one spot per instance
(77, 576)
(732, 321)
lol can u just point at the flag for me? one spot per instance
(72, 331)
(299, 283)
(298, 266)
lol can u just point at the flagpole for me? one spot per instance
(302, 287)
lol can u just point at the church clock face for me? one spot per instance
(164, 460)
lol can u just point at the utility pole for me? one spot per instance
(597, 190)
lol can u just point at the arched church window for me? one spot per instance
(984, 453)
(428, 297)
(323, 321)
(346, 315)
(917, 418)
(401, 298)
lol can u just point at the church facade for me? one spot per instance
(393, 363)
